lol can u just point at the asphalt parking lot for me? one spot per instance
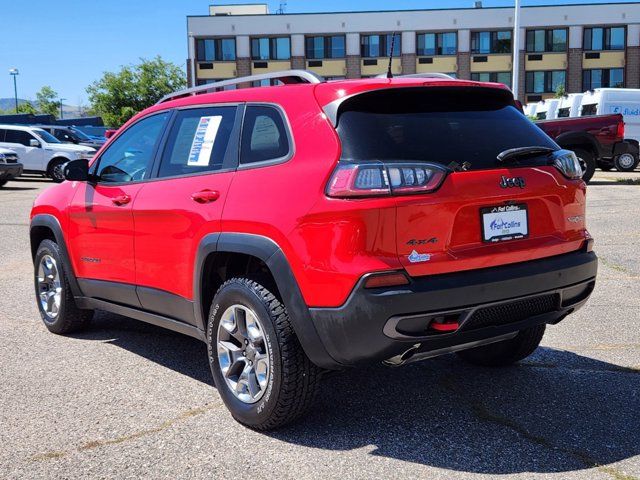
(129, 400)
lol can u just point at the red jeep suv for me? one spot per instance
(317, 226)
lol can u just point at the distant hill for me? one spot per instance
(8, 104)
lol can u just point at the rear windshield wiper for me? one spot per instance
(523, 152)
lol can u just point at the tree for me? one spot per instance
(560, 91)
(118, 96)
(26, 107)
(47, 101)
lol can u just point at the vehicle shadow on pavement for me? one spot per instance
(177, 352)
(556, 411)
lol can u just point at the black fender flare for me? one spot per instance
(52, 223)
(272, 255)
(579, 138)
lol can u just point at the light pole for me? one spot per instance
(61, 113)
(516, 51)
(14, 73)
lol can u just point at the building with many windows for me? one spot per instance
(580, 47)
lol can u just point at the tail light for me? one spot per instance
(568, 164)
(620, 131)
(369, 179)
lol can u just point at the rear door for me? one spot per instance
(485, 213)
(182, 204)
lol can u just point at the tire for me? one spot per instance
(588, 163)
(54, 171)
(289, 379)
(626, 162)
(66, 317)
(506, 352)
(3, 183)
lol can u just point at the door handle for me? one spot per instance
(205, 196)
(121, 200)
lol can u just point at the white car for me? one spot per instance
(625, 101)
(41, 152)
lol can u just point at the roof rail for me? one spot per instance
(419, 75)
(285, 76)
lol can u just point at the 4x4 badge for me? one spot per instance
(506, 182)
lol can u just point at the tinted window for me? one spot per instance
(274, 48)
(491, 42)
(325, 47)
(198, 142)
(442, 126)
(379, 45)
(264, 136)
(437, 43)
(130, 156)
(19, 136)
(46, 136)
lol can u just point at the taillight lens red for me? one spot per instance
(378, 178)
(620, 132)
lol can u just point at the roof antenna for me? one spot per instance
(393, 42)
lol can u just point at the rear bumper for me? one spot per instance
(10, 170)
(377, 324)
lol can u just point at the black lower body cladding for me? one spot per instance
(377, 324)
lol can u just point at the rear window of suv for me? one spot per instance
(435, 124)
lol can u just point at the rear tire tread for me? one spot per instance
(300, 377)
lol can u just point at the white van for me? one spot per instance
(626, 101)
(41, 152)
(530, 109)
(569, 105)
(547, 109)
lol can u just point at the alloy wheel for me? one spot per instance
(49, 286)
(242, 353)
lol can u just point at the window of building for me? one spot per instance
(207, 81)
(216, 50)
(271, 48)
(545, 81)
(264, 135)
(496, 77)
(550, 40)
(374, 46)
(603, 78)
(198, 142)
(491, 42)
(437, 44)
(604, 38)
(332, 46)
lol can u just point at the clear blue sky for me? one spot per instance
(67, 44)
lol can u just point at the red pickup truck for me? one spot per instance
(597, 140)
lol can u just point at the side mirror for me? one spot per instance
(76, 170)
(34, 143)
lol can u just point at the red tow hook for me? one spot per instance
(444, 327)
